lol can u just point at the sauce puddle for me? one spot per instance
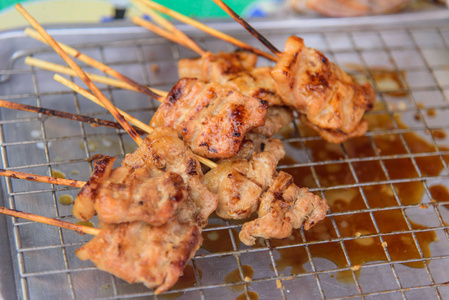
(362, 250)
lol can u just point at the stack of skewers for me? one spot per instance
(222, 113)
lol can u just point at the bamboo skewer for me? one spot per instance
(76, 88)
(50, 221)
(80, 73)
(65, 115)
(169, 27)
(94, 63)
(42, 178)
(49, 66)
(131, 119)
(164, 33)
(207, 29)
(248, 27)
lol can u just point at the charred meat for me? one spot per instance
(163, 151)
(284, 207)
(125, 195)
(211, 118)
(138, 252)
(320, 91)
(240, 182)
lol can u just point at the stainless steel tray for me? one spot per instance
(41, 261)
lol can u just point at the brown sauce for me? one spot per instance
(389, 82)
(439, 134)
(234, 276)
(440, 193)
(216, 241)
(252, 295)
(363, 250)
(431, 112)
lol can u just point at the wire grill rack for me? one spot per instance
(415, 105)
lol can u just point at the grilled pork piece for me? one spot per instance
(157, 255)
(316, 88)
(284, 207)
(277, 118)
(163, 151)
(212, 67)
(138, 252)
(240, 182)
(125, 195)
(211, 118)
(226, 69)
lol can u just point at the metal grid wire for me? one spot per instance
(43, 257)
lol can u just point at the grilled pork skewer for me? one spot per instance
(139, 253)
(126, 194)
(206, 145)
(328, 99)
(284, 207)
(238, 71)
(128, 117)
(212, 118)
(240, 182)
(156, 255)
(122, 194)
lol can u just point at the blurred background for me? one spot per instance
(70, 11)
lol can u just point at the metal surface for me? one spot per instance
(43, 260)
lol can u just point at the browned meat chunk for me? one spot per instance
(277, 118)
(212, 67)
(156, 255)
(321, 91)
(239, 182)
(125, 195)
(284, 207)
(211, 118)
(227, 69)
(255, 83)
(336, 136)
(83, 208)
(137, 252)
(163, 151)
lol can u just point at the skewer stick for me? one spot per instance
(248, 27)
(91, 62)
(130, 118)
(164, 33)
(80, 73)
(41, 178)
(49, 66)
(76, 88)
(208, 29)
(161, 21)
(65, 115)
(49, 221)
